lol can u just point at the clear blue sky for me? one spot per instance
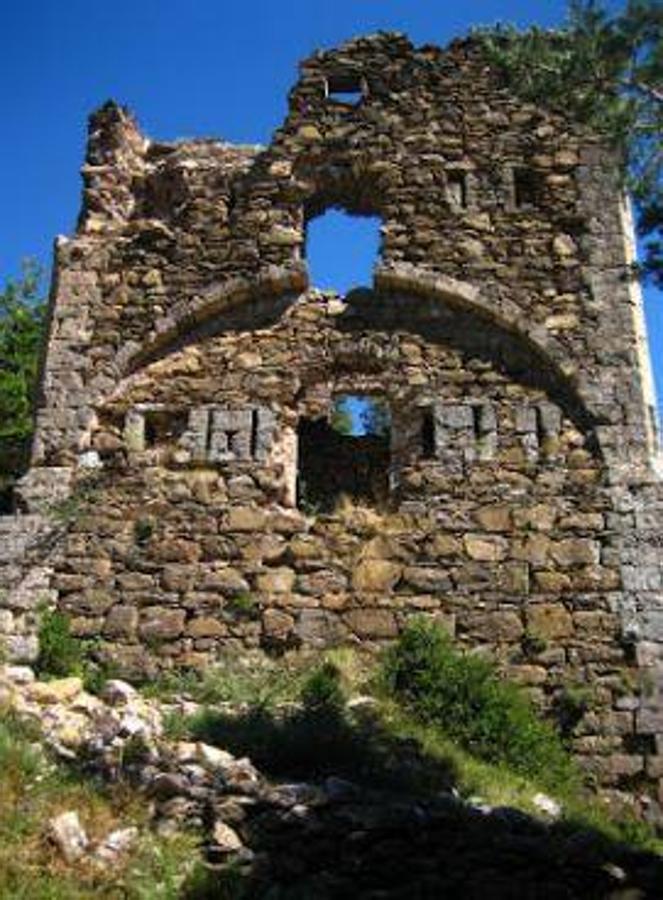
(188, 68)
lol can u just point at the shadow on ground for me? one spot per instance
(355, 812)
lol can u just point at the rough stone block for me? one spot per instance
(161, 623)
(372, 623)
(121, 621)
(549, 621)
(376, 576)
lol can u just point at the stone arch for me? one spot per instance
(238, 300)
(405, 295)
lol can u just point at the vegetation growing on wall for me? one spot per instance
(607, 71)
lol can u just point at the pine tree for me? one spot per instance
(605, 71)
(22, 317)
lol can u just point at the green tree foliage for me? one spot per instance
(341, 417)
(22, 317)
(461, 695)
(606, 71)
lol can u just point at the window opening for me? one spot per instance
(345, 456)
(163, 426)
(457, 188)
(255, 425)
(428, 434)
(347, 89)
(6, 499)
(476, 422)
(526, 187)
(341, 250)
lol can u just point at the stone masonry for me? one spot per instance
(521, 501)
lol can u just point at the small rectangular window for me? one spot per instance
(457, 188)
(526, 187)
(427, 434)
(347, 88)
(163, 426)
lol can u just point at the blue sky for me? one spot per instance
(188, 68)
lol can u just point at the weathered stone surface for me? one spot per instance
(277, 625)
(59, 690)
(549, 621)
(245, 518)
(203, 627)
(485, 548)
(376, 576)
(160, 623)
(67, 833)
(503, 625)
(319, 627)
(227, 581)
(121, 621)
(494, 518)
(367, 623)
(276, 581)
(575, 552)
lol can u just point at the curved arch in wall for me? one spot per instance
(240, 301)
(405, 297)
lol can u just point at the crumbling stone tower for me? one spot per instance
(191, 371)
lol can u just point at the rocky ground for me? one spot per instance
(326, 837)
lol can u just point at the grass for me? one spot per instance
(294, 721)
(236, 680)
(34, 789)
(296, 718)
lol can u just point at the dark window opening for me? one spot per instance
(477, 423)
(255, 425)
(6, 499)
(540, 428)
(347, 89)
(347, 456)
(526, 187)
(163, 426)
(341, 250)
(457, 188)
(428, 434)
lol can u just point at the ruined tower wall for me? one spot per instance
(186, 347)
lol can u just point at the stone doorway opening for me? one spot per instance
(346, 456)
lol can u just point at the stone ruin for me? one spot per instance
(191, 372)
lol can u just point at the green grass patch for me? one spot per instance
(60, 653)
(34, 789)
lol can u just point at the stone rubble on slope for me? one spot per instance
(268, 828)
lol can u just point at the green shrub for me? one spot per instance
(60, 653)
(462, 696)
(322, 691)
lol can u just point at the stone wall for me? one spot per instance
(186, 348)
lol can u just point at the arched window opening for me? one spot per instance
(341, 250)
(345, 456)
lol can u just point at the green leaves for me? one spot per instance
(607, 72)
(22, 319)
(461, 695)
